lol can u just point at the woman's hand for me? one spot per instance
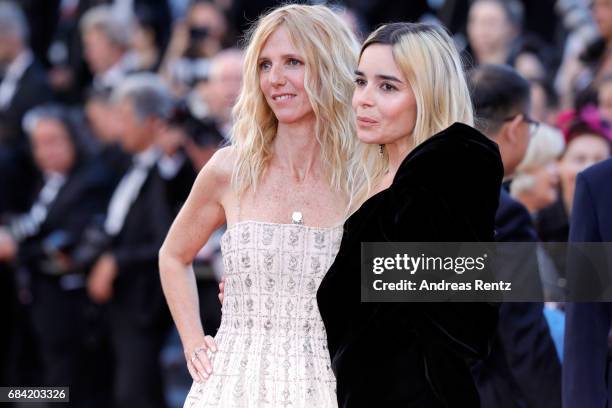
(198, 363)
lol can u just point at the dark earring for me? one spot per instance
(382, 147)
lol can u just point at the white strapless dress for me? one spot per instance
(272, 347)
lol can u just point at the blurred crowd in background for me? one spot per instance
(108, 110)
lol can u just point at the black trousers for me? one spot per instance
(9, 317)
(19, 355)
(71, 333)
(137, 349)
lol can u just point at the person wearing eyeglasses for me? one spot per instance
(523, 368)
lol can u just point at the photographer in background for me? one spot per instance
(200, 125)
(187, 144)
(23, 85)
(41, 241)
(125, 272)
(218, 94)
(105, 131)
(192, 44)
(106, 40)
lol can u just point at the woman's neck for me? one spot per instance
(297, 150)
(397, 152)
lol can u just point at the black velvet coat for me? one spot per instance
(415, 354)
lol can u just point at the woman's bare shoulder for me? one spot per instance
(215, 177)
(222, 162)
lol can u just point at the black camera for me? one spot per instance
(94, 243)
(198, 33)
(203, 132)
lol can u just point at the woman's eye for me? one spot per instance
(264, 65)
(387, 87)
(294, 62)
(360, 82)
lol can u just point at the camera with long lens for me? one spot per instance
(197, 34)
(94, 242)
(203, 132)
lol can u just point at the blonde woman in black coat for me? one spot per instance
(437, 179)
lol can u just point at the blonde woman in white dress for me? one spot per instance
(284, 188)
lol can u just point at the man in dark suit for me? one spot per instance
(69, 72)
(523, 368)
(126, 275)
(161, 8)
(64, 322)
(106, 40)
(586, 356)
(23, 85)
(106, 37)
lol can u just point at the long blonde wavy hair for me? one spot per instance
(431, 64)
(330, 51)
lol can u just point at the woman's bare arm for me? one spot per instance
(201, 214)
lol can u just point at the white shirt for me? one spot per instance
(29, 224)
(124, 8)
(169, 166)
(112, 76)
(127, 191)
(13, 75)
